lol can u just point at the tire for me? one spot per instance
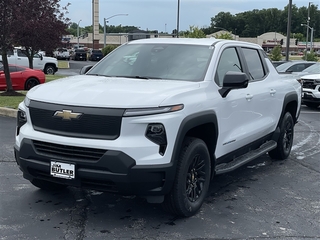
(30, 83)
(46, 185)
(312, 105)
(285, 140)
(49, 70)
(192, 179)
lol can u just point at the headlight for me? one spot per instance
(151, 111)
(26, 101)
(21, 120)
(317, 81)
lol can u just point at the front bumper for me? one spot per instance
(114, 172)
(311, 97)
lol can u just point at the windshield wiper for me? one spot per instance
(138, 77)
(96, 74)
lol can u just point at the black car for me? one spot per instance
(80, 55)
(95, 55)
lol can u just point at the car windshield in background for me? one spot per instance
(156, 61)
(284, 66)
(314, 69)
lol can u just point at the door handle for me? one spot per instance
(249, 97)
(272, 92)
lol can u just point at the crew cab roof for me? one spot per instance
(196, 41)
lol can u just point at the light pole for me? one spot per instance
(308, 20)
(104, 26)
(288, 30)
(78, 33)
(178, 16)
(311, 37)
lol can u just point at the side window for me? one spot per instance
(9, 53)
(254, 63)
(12, 69)
(229, 61)
(20, 53)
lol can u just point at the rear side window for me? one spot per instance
(254, 63)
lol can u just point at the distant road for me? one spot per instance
(74, 67)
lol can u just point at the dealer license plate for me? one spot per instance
(62, 170)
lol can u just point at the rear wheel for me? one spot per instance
(192, 179)
(285, 140)
(30, 83)
(46, 185)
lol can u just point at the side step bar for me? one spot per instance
(242, 160)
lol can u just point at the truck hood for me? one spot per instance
(49, 59)
(311, 76)
(112, 92)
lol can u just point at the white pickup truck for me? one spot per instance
(48, 65)
(160, 125)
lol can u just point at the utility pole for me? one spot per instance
(288, 30)
(308, 21)
(178, 16)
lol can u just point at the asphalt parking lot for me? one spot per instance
(263, 200)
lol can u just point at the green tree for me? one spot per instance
(225, 35)
(310, 56)
(194, 32)
(42, 24)
(276, 53)
(8, 24)
(108, 48)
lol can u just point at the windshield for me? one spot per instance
(315, 68)
(156, 61)
(284, 66)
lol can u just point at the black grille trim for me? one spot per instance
(310, 84)
(94, 123)
(64, 152)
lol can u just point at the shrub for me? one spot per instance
(108, 48)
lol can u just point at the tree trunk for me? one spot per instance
(7, 71)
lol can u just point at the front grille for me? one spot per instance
(310, 84)
(64, 152)
(94, 123)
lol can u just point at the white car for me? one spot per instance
(311, 90)
(294, 66)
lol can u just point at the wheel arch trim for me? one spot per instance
(191, 122)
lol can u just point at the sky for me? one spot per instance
(161, 15)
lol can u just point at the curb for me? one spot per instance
(9, 112)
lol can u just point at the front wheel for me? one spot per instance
(285, 140)
(192, 179)
(49, 70)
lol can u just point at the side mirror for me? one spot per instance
(41, 57)
(233, 80)
(85, 69)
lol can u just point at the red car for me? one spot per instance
(22, 78)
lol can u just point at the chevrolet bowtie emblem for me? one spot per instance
(67, 115)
